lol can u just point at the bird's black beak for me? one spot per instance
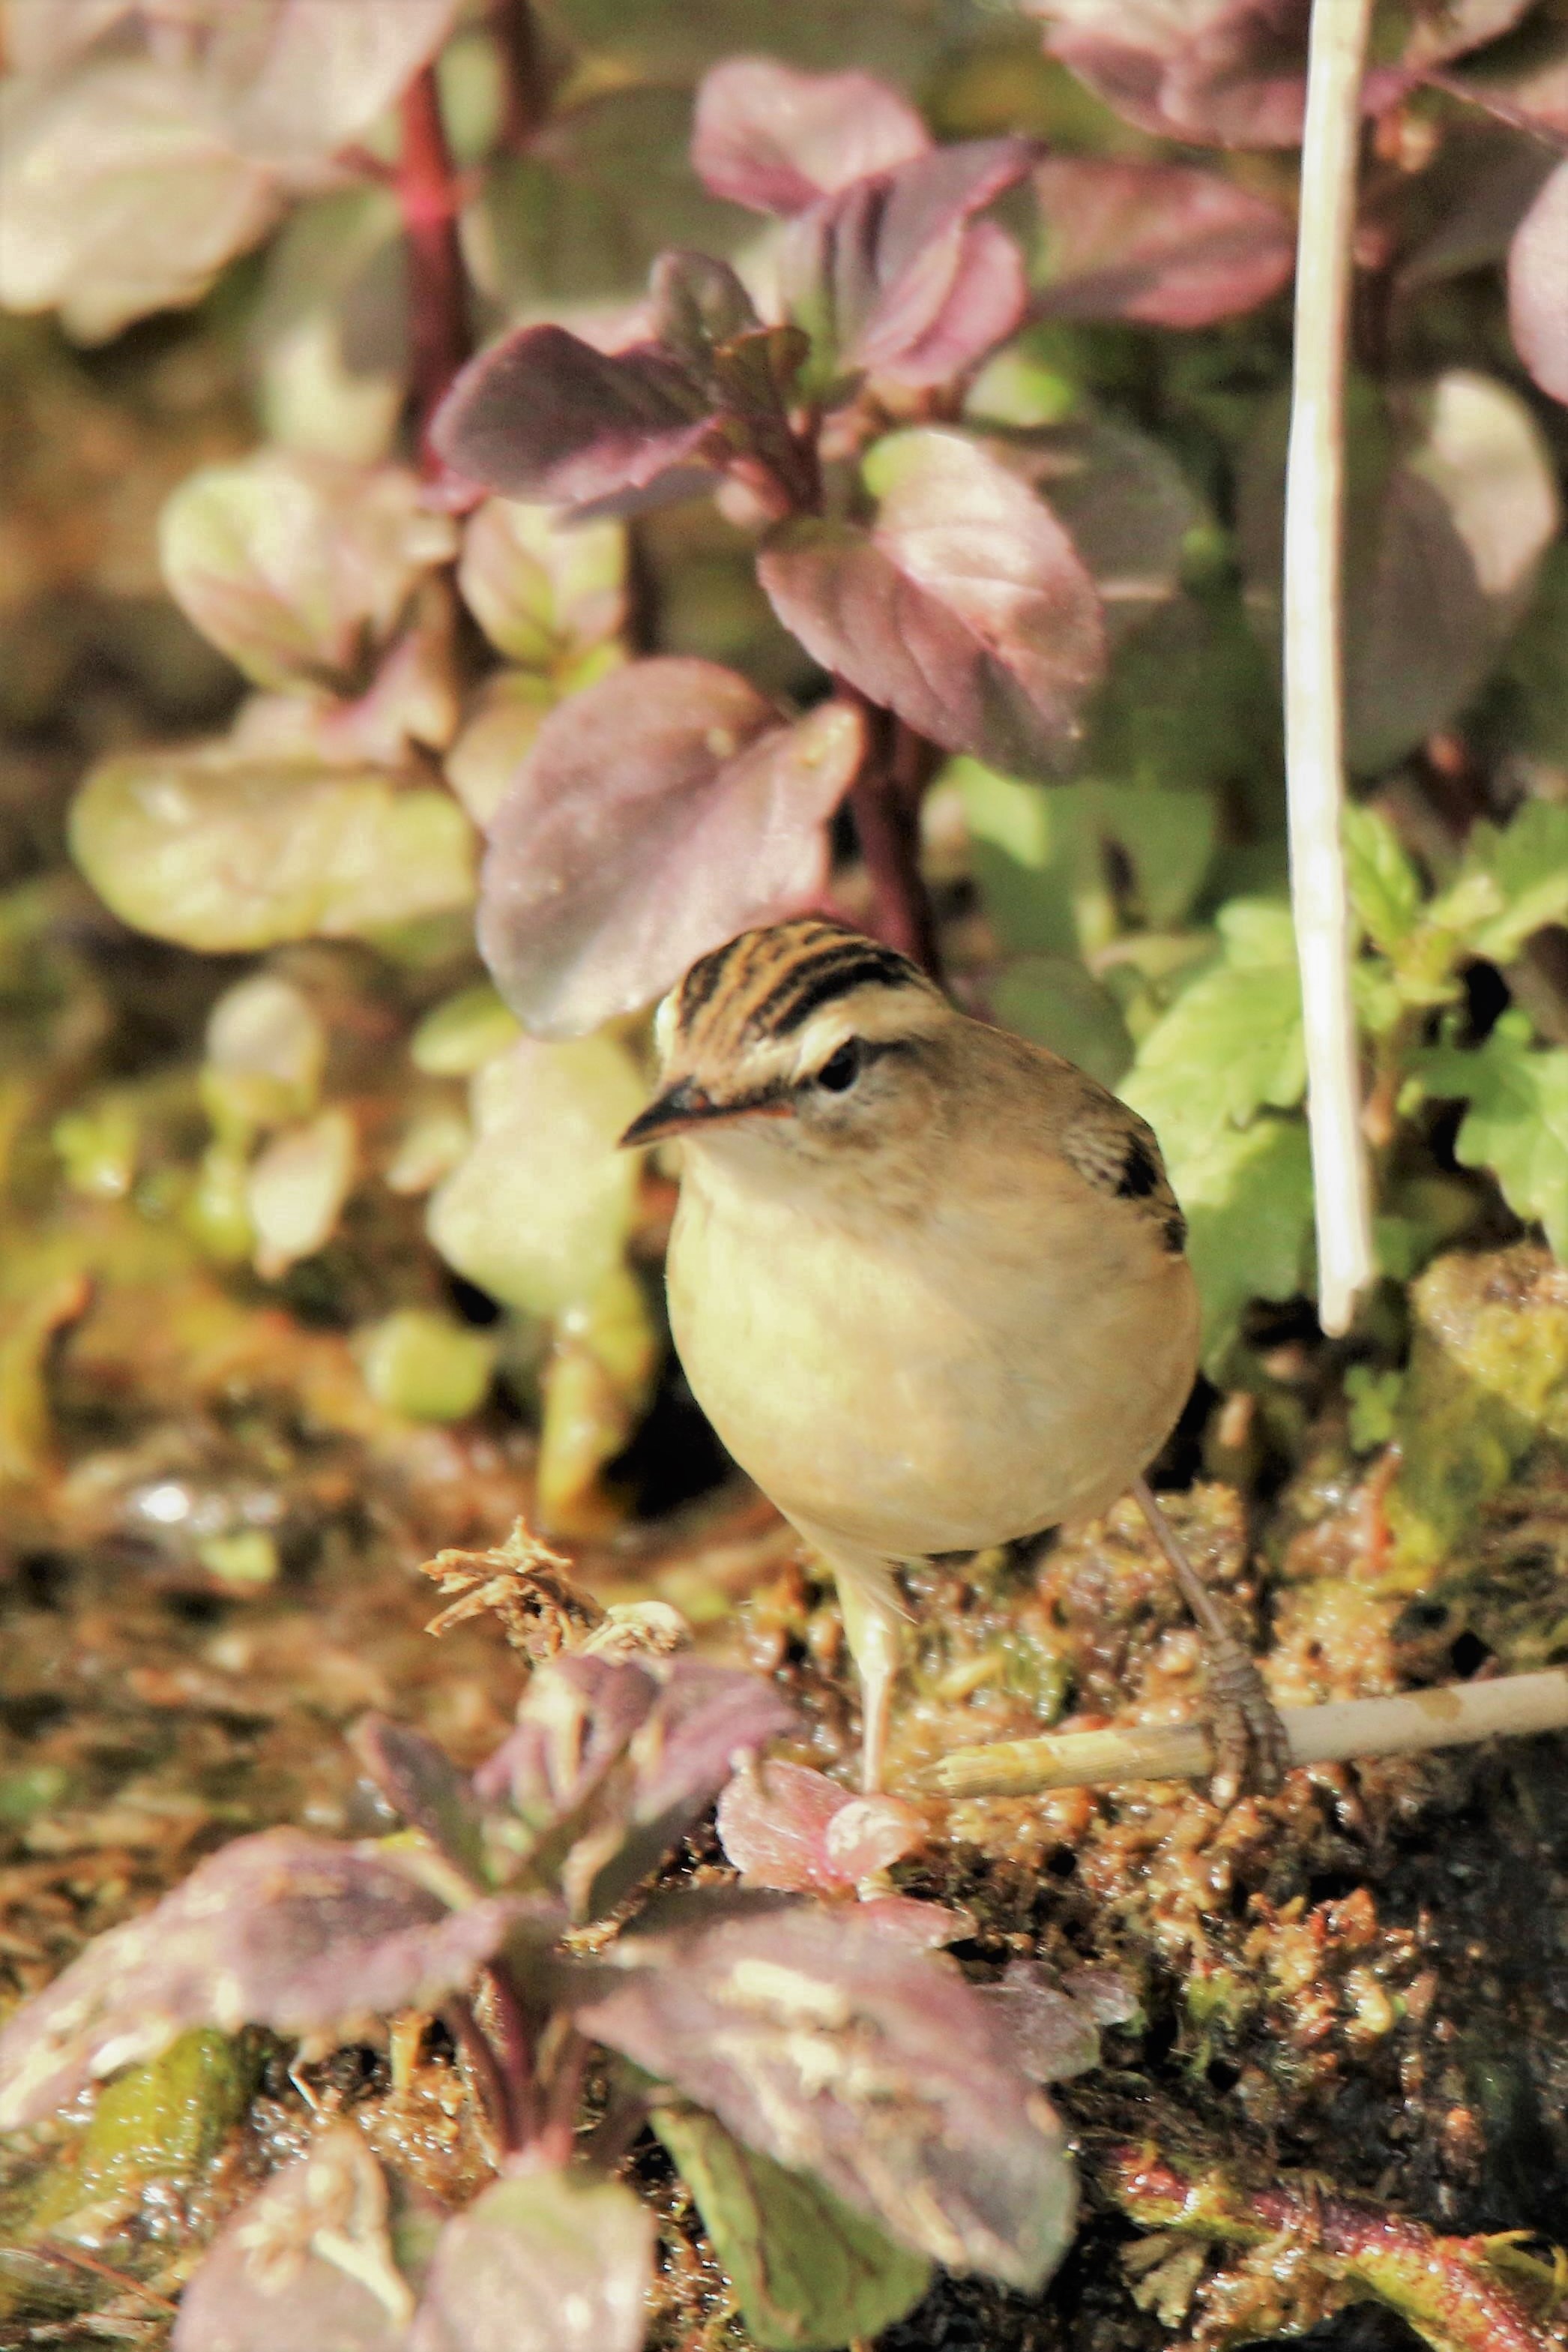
(687, 1105)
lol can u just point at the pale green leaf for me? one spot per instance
(1517, 1124)
(1527, 866)
(1231, 1043)
(543, 593)
(1248, 1194)
(808, 2273)
(1057, 1002)
(1385, 887)
(293, 564)
(538, 1211)
(219, 852)
(1042, 854)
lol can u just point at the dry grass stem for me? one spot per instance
(1455, 1715)
(1314, 732)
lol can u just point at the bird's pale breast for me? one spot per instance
(916, 1393)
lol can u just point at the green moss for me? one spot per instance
(1488, 1380)
(162, 2121)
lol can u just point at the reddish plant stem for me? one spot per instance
(884, 803)
(523, 82)
(50, 2250)
(556, 2140)
(437, 292)
(490, 2085)
(507, 2031)
(1443, 2286)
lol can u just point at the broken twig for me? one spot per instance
(1455, 1715)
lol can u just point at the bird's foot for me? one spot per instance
(1251, 1748)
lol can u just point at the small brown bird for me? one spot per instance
(927, 1281)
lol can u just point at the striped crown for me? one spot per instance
(761, 990)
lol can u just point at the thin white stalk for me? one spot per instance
(1457, 1715)
(1314, 727)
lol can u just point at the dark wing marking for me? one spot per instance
(1117, 1153)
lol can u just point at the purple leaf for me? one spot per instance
(659, 812)
(281, 1930)
(309, 2263)
(1538, 286)
(789, 1827)
(424, 1786)
(1049, 2035)
(1445, 538)
(890, 277)
(541, 414)
(576, 1720)
(611, 1762)
(1126, 502)
(776, 139)
(966, 610)
(827, 2044)
(705, 1721)
(1160, 243)
(1232, 72)
(1525, 82)
(695, 303)
(987, 299)
(548, 2262)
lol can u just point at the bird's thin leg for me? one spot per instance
(1249, 1740)
(873, 1622)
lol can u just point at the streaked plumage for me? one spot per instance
(926, 1279)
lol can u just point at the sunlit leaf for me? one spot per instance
(809, 2272)
(1159, 243)
(502, 720)
(658, 812)
(295, 80)
(550, 2261)
(538, 1210)
(41, 37)
(296, 566)
(544, 595)
(296, 1189)
(1517, 1122)
(1385, 887)
(776, 139)
(1247, 1194)
(309, 2262)
(222, 852)
(1538, 286)
(705, 1721)
(1513, 880)
(786, 1826)
(827, 2045)
(278, 1929)
(1231, 1043)
(119, 195)
(965, 609)
(266, 1053)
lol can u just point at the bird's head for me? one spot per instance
(802, 1041)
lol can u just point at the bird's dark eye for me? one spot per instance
(842, 1068)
